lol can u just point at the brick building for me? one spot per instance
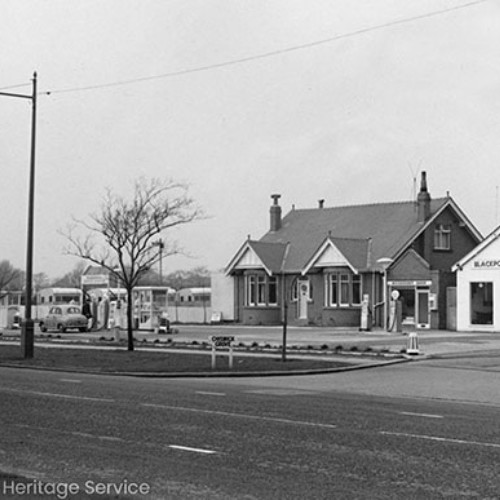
(320, 265)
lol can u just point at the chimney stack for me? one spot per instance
(275, 212)
(423, 200)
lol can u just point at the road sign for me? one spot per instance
(222, 341)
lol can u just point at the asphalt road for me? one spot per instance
(368, 434)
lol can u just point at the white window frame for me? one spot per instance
(442, 237)
(251, 290)
(272, 282)
(261, 290)
(333, 290)
(357, 280)
(344, 280)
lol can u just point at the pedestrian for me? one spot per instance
(87, 312)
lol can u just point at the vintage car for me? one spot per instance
(63, 317)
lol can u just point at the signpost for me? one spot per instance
(221, 341)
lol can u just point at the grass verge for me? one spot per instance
(143, 361)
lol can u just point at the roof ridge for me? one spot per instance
(400, 202)
(349, 238)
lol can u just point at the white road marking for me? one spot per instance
(69, 396)
(426, 415)
(187, 448)
(280, 392)
(95, 436)
(208, 393)
(240, 415)
(440, 439)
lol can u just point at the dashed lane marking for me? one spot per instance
(209, 393)
(195, 450)
(69, 396)
(440, 439)
(240, 415)
(425, 415)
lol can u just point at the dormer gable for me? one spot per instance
(329, 254)
(411, 266)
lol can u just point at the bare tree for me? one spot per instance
(120, 237)
(8, 275)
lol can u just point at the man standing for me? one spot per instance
(87, 312)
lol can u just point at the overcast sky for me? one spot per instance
(351, 120)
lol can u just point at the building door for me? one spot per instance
(423, 320)
(407, 299)
(303, 298)
(451, 308)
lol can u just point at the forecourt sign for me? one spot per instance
(222, 341)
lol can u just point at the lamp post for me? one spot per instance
(385, 262)
(159, 243)
(27, 330)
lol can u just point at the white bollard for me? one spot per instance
(412, 344)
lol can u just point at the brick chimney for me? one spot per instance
(423, 200)
(275, 212)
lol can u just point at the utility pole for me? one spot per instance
(27, 330)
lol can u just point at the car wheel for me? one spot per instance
(61, 328)
(43, 328)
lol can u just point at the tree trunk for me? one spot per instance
(130, 326)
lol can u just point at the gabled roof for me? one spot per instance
(363, 234)
(391, 227)
(351, 252)
(270, 256)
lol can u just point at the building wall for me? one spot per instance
(464, 278)
(223, 295)
(462, 242)
(317, 313)
(483, 267)
(261, 316)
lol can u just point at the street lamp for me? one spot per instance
(159, 243)
(27, 330)
(384, 263)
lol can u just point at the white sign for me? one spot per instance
(487, 264)
(95, 279)
(222, 341)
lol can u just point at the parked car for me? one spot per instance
(63, 317)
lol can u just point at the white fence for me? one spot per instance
(189, 314)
